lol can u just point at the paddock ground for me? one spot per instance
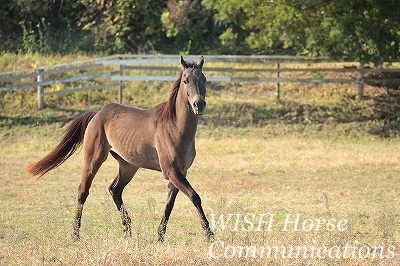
(237, 172)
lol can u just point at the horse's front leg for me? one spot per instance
(179, 181)
(172, 191)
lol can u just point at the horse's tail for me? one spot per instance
(72, 139)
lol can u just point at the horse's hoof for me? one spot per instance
(75, 237)
(160, 238)
(210, 237)
(128, 234)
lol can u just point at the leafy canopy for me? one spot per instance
(365, 30)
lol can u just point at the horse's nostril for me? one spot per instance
(198, 106)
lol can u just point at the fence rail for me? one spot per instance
(113, 71)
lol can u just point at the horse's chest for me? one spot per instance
(181, 154)
(186, 157)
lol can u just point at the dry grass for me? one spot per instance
(251, 173)
(320, 153)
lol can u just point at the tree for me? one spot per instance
(362, 30)
(123, 25)
(30, 27)
(365, 30)
(189, 27)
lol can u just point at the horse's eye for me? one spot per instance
(186, 81)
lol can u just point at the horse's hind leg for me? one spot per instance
(125, 175)
(169, 204)
(95, 152)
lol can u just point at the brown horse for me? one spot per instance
(161, 139)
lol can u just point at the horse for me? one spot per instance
(161, 139)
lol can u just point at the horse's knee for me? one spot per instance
(195, 198)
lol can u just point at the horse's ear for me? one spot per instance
(184, 65)
(201, 62)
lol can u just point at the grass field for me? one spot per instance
(319, 157)
(234, 173)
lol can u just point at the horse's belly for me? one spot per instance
(146, 162)
(143, 157)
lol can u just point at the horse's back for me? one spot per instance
(121, 115)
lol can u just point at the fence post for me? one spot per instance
(120, 83)
(360, 79)
(40, 89)
(120, 87)
(278, 85)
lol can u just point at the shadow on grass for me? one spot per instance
(376, 118)
(45, 116)
(288, 112)
(242, 114)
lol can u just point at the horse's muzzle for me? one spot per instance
(199, 106)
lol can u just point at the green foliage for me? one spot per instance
(47, 27)
(189, 27)
(358, 30)
(123, 26)
(361, 30)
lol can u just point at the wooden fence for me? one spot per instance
(113, 71)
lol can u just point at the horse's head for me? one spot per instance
(194, 83)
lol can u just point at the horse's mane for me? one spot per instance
(167, 110)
